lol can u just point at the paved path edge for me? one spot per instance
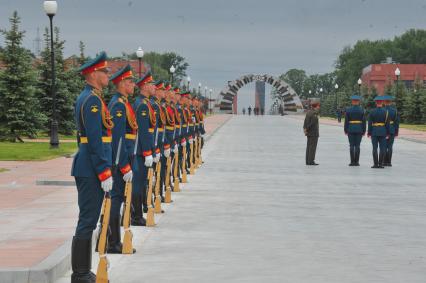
(57, 263)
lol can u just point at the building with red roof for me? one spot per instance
(381, 75)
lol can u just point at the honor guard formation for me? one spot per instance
(131, 157)
(383, 127)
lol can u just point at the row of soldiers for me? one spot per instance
(128, 154)
(383, 127)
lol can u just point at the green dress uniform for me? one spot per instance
(355, 127)
(393, 131)
(311, 128)
(378, 130)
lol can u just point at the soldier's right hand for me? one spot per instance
(175, 149)
(148, 161)
(190, 140)
(107, 185)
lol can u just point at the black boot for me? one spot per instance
(352, 154)
(137, 216)
(381, 159)
(357, 152)
(390, 158)
(376, 161)
(114, 237)
(81, 261)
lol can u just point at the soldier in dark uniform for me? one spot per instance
(125, 128)
(168, 128)
(92, 163)
(311, 130)
(393, 129)
(249, 110)
(146, 120)
(378, 130)
(355, 127)
(183, 128)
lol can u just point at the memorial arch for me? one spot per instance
(290, 100)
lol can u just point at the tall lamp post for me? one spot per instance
(188, 79)
(199, 88)
(336, 87)
(359, 85)
(397, 74)
(50, 8)
(172, 71)
(139, 54)
(210, 99)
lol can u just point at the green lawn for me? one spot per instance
(414, 127)
(34, 150)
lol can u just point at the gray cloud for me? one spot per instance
(224, 39)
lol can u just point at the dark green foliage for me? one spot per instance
(19, 109)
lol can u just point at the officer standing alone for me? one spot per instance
(311, 130)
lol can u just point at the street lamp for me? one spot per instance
(211, 90)
(172, 71)
(310, 92)
(50, 8)
(139, 54)
(397, 74)
(359, 85)
(336, 87)
(188, 79)
(321, 90)
(199, 88)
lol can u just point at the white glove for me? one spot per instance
(107, 185)
(183, 143)
(157, 158)
(190, 141)
(128, 177)
(176, 149)
(148, 160)
(167, 153)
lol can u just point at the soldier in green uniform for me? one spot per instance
(378, 130)
(393, 129)
(311, 130)
(355, 127)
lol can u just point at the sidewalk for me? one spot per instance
(37, 221)
(406, 134)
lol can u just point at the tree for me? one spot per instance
(160, 64)
(66, 87)
(82, 57)
(412, 111)
(20, 115)
(296, 79)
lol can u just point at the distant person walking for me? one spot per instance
(311, 130)
(244, 111)
(249, 110)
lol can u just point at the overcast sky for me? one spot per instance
(224, 39)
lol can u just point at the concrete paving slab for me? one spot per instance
(38, 213)
(254, 212)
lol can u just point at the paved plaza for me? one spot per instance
(255, 213)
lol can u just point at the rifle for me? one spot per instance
(184, 177)
(176, 166)
(128, 235)
(167, 183)
(157, 201)
(102, 273)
